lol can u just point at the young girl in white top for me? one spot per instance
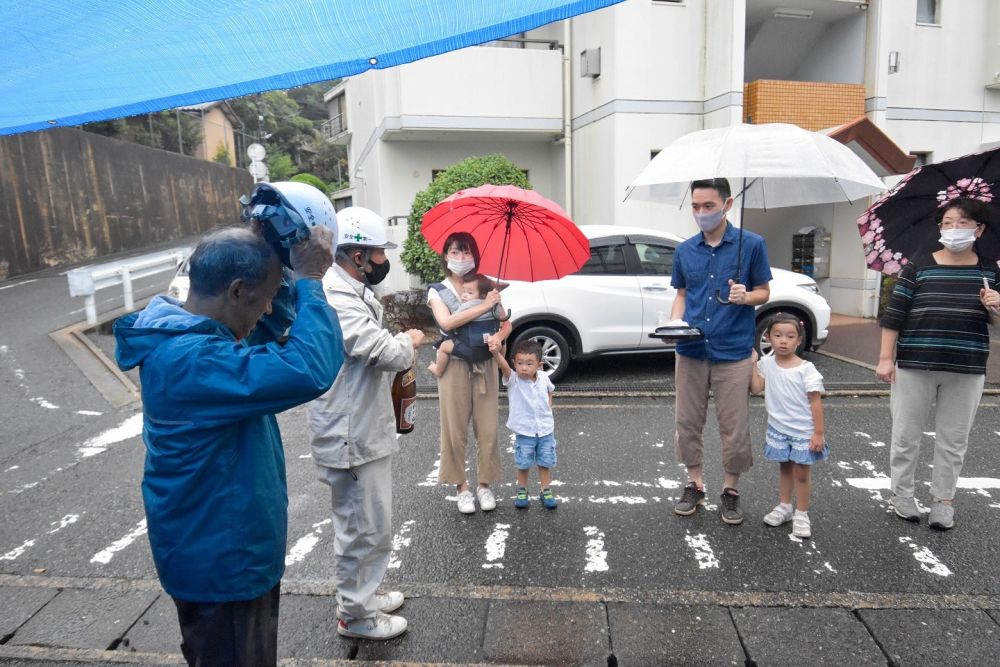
(794, 419)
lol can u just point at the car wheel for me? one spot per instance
(760, 342)
(555, 350)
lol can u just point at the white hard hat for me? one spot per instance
(363, 227)
(286, 211)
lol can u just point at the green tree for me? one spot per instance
(280, 166)
(417, 256)
(309, 179)
(222, 154)
(158, 130)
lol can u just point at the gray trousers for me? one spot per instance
(957, 396)
(362, 524)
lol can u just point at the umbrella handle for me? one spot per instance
(718, 297)
(496, 314)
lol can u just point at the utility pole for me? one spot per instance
(180, 138)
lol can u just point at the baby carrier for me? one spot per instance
(470, 339)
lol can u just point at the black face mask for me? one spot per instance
(378, 272)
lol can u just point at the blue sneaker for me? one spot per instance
(548, 499)
(521, 501)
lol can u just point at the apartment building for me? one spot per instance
(584, 104)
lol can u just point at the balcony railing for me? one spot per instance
(334, 127)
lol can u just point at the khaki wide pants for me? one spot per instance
(730, 384)
(469, 391)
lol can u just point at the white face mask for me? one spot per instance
(709, 221)
(958, 240)
(461, 266)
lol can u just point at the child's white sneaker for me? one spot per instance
(801, 526)
(466, 504)
(778, 516)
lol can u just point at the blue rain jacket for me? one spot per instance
(214, 481)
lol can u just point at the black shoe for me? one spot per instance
(731, 513)
(690, 500)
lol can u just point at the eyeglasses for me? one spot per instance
(959, 224)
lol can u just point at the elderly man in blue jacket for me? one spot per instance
(213, 375)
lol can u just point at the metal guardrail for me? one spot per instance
(87, 280)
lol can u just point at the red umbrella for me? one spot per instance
(520, 234)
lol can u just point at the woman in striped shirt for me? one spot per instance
(935, 342)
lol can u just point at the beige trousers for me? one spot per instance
(469, 392)
(729, 382)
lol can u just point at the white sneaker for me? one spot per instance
(389, 602)
(801, 526)
(384, 602)
(487, 502)
(778, 516)
(466, 505)
(382, 626)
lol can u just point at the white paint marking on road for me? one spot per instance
(129, 428)
(928, 561)
(862, 434)
(597, 555)
(702, 550)
(668, 483)
(12, 468)
(607, 482)
(42, 402)
(305, 544)
(19, 373)
(105, 555)
(658, 445)
(877, 443)
(869, 483)
(836, 482)
(870, 467)
(305, 456)
(63, 522)
(829, 567)
(556, 482)
(17, 551)
(614, 500)
(845, 465)
(399, 542)
(930, 434)
(432, 476)
(496, 545)
(882, 483)
(513, 442)
(23, 282)
(89, 413)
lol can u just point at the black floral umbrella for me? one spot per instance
(900, 225)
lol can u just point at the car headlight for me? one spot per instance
(810, 287)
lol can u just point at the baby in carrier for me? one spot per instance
(468, 342)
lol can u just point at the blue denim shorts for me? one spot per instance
(530, 450)
(781, 448)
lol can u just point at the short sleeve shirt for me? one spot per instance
(786, 395)
(530, 412)
(702, 270)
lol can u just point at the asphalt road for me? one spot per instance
(70, 467)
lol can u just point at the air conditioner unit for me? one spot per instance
(590, 63)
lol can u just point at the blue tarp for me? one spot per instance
(67, 62)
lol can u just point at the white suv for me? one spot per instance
(612, 304)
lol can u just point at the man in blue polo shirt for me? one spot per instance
(709, 263)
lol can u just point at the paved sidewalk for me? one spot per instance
(64, 621)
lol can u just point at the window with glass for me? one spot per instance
(655, 259)
(605, 260)
(928, 11)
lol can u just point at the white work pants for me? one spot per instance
(362, 524)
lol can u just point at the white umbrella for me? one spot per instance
(769, 165)
(783, 165)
